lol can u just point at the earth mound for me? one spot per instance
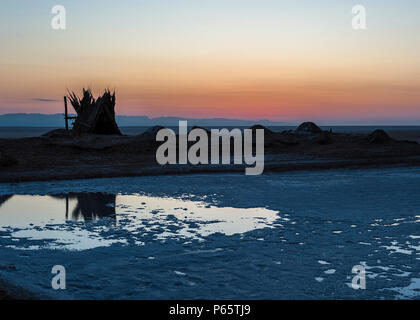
(150, 134)
(267, 132)
(259, 126)
(58, 133)
(379, 136)
(308, 128)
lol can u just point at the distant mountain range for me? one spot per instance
(57, 120)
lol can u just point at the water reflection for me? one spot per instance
(86, 220)
(90, 206)
(56, 221)
(32, 209)
(3, 199)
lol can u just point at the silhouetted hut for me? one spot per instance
(3, 199)
(94, 116)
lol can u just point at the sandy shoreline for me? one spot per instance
(92, 172)
(396, 132)
(60, 156)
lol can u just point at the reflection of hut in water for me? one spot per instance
(90, 206)
(3, 199)
(93, 206)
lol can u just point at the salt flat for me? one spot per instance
(232, 236)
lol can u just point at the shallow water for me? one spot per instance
(59, 221)
(276, 236)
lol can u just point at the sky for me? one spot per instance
(290, 60)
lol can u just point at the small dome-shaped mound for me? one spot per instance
(308, 127)
(379, 136)
(261, 127)
(57, 133)
(151, 132)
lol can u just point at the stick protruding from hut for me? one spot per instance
(66, 114)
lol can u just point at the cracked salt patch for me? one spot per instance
(57, 239)
(202, 220)
(385, 272)
(330, 271)
(396, 248)
(409, 292)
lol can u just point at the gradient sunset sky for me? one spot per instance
(249, 59)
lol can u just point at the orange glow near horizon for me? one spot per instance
(255, 63)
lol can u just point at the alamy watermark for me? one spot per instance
(359, 280)
(58, 282)
(358, 22)
(359, 17)
(58, 21)
(177, 152)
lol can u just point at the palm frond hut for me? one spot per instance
(96, 116)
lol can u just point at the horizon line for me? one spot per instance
(286, 123)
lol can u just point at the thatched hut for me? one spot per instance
(96, 116)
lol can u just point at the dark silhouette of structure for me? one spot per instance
(96, 116)
(90, 206)
(3, 199)
(308, 128)
(93, 206)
